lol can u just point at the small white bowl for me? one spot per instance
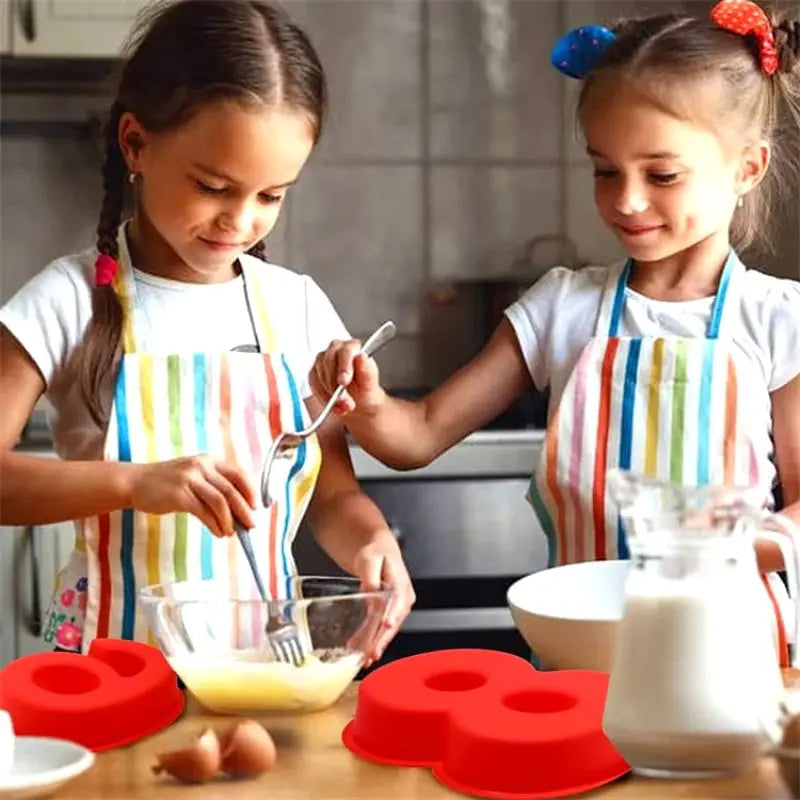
(42, 766)
(568, 615)
(6, 744)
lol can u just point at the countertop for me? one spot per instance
(313, 764)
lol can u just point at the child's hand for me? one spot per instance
(378, 564)
(213, 491)
(343, 364)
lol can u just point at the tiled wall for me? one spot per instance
(450, 144)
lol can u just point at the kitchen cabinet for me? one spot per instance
(71, 28)
(30, 559)
(5, 27)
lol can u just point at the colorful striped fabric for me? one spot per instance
(230, 405)
(675, 409)
(670, 408)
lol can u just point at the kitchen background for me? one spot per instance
(450, 145)
(449, 177)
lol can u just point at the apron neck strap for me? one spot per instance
(612, 303)
(256, 293)
(125, 289)
(727, 297)
(124, 286)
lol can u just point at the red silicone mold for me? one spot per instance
(118, 693)
(487, 724)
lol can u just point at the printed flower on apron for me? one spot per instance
(64, 619)
(51, 626)
(69, 636)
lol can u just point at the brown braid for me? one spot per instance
(786, 88)
(787, 41)
(181, 55)
(104, 333)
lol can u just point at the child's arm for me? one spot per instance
(352, 530)
(786, 434)
(42, 490)
(406, 434)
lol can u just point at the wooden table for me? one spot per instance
(314, 765)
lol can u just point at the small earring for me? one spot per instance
(740, 201)
(131, 177)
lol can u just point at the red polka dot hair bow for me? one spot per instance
(746, 18)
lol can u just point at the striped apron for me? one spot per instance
(672, 408)
(230, 405)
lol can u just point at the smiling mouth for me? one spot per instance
(222, 245)
(639, 231)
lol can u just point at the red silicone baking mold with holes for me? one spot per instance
(118, 693)
(487, 724)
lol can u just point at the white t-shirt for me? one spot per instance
(49, 315)
(555, 319)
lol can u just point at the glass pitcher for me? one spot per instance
(695, 687)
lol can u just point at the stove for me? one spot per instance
(466, 532)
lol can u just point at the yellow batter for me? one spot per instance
(244, 681)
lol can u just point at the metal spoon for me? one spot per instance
(286, 443)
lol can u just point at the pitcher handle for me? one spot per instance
(774, 722)
(788, 542)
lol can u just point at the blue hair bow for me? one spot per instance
(576, 53)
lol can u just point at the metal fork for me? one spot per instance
(284, 445)
(283, 636)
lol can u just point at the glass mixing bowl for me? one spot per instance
(219, 646)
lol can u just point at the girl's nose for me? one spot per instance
(632, 199)
(237, 220)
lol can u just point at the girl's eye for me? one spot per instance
(206, 189)
(663, 178)
(604, 173)
(271, 198)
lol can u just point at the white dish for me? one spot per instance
(6, 743)
(42, 766)
(569, 615)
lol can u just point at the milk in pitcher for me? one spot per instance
(694, 673)
(695, 685)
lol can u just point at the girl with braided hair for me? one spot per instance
(172, 353)
(678, 363)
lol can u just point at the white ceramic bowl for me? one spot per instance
(568, 615)
(6, 743)
(42, 766)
